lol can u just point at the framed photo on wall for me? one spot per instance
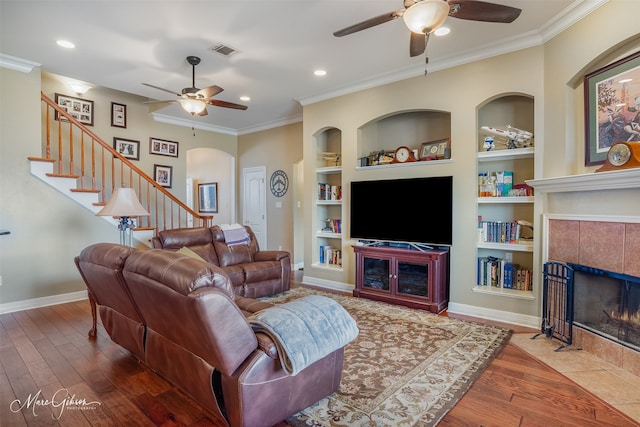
(208, 197)
(612, 107)
(163, 147)
(163, 175)
(118, 115)
(127, 147)
(80, 109)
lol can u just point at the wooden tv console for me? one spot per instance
(407, 276)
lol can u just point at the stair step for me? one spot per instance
(144, 228)
(84, 190)
(99, 204)
(41, 159)
(61, 175)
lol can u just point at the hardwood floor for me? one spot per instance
(47, 349)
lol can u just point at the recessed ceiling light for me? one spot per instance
(245, 98)
(442, 31)
(320, 73)
(66, 44)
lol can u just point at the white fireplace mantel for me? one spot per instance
(628, 178)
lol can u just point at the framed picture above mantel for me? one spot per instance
(612, 107)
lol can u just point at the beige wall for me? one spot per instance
(278, 148)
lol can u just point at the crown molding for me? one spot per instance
(17, 64)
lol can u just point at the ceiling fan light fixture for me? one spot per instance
(193, 106)
(426, 15)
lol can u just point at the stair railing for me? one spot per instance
(100, 168)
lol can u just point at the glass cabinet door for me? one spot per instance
(413, 278)
(376, 273)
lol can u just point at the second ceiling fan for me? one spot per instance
(195, 100)
(422, 17)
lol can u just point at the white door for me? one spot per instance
(254, 206)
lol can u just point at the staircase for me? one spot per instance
(82, 166)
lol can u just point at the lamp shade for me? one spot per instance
(193, 106)
(123, 203)
(426, 15)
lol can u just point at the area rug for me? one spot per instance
(406, 368)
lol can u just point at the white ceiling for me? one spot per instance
(121, 44)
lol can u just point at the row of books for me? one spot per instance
(332, 225)
(498, 273)
(505, 231)
(329, 192)
(329, 255)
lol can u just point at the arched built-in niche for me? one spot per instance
(207, 165)
(403, 128)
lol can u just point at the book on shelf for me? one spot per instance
(329, 192)
(499, 273)
(505, 231)
(332, 225)
(329, 255)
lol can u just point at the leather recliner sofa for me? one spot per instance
(253, 273)
(180, 316)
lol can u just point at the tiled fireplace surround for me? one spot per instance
(606, 245)
(607, 242)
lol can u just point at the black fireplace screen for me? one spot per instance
(557, 303)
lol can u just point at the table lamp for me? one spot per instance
(123, 204)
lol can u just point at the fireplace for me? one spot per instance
(603, 253)
(607, 238)
(607, 304)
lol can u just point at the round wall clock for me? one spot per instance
(279, 183)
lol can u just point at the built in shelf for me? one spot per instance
(332, 267)
(402, 165)
(329, 202)
(499, 200)
(510, 293)
(506, 154)
(329, 170)
(328, 235)
(516, 247)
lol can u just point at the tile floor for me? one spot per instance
(614, 385)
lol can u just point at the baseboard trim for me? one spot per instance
(496, 315)
(327, 284)
(11, 307)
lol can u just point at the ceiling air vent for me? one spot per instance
(223, 49)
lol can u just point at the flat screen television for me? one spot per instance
(415, 210)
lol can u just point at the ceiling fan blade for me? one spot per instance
(160, 88)
(417, 44)
(372, 22)
(210, 91)
(226, 104)
(475, 10)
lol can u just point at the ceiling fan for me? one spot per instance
(194, 100)
(423, 17)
